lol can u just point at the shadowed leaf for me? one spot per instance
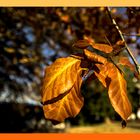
(77, 56)
(101, 72)
(125, 62)
(118, 47)
(82, 44)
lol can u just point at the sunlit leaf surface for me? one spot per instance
(59, 77)
(110, 77)
(69, 106)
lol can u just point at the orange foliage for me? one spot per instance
(61, 95)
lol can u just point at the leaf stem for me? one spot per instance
(122, 38)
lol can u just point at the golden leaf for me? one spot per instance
(101, 72)
(94, 57)
(117, 91)
(83, 44)
(89, 39)
(69, 106)
(59, 77)
(111, 78)
(103, 47)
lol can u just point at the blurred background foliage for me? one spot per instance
(33, 38)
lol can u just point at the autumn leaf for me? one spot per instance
(118, 47)
(81, 44)
(69, 106)
(77, 56)
(101, 72)
(59, 78)
(120, 43)
(89, 39)
(103, 47)
(117, 91)
(61, 95)
(94, 57)
(110, 77)
(125, 62)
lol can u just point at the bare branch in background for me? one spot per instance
(122, 38)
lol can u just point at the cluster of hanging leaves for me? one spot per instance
(61, 96)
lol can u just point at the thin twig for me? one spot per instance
(108, 40)
(122, 38)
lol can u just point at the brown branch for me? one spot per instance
(122, 38)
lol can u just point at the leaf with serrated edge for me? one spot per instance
(59, 77)
(111, 78)
(69, 106)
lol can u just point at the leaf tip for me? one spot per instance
(123, 123)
